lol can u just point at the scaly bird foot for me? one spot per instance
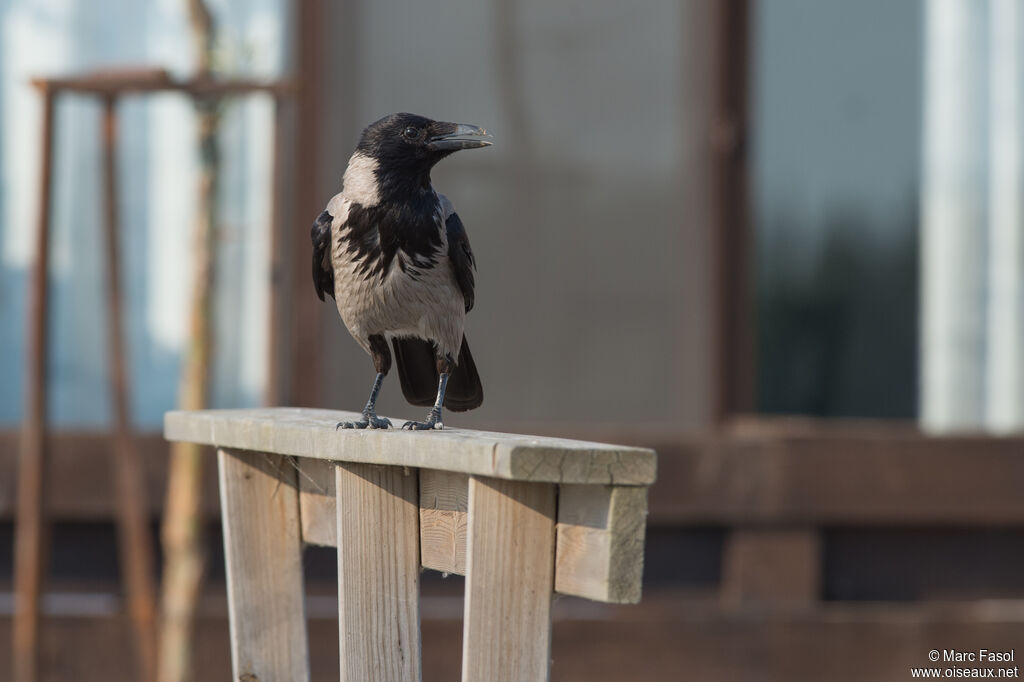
(433, 422)
(369, 421)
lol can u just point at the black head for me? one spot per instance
(411, 144)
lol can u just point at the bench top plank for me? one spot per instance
(305, 432)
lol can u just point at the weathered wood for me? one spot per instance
(600, 542)
(599, 535)
(311, 433)
(378, 573)
(444, 505)
(772, 567)
(263, 554)
(317, 503)
(509, 581)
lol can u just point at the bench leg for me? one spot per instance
(263, 551)
(378, 573)
(510, 559)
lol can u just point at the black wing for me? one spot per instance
(323, 270)
(461, 257)
(417, 372)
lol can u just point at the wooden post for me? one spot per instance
(378, 573)
(733, 340)
(135, 539)
(510, 560)
(263, 553)
(303, 314)
(29, 553)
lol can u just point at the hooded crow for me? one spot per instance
(395, 257)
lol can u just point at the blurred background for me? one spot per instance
(780, 241)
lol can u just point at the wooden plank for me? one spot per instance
(79, 486)
(311, 433)
(378, 573)
(841, 478)
(600, 542)
(599, 536)
(317, 502)
(509, 581)
(652, 642)
(772, 567)
(263, 556)
(871, 473)
(444, 504)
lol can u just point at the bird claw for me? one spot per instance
(433, 422)
(369, 421)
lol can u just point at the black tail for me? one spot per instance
(417, 371)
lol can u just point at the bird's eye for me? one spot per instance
(411, 133)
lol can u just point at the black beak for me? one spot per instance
(455, 136)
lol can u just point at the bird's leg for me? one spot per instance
(382, 362)
(370, 419)
(433, 421)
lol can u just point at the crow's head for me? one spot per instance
(411, 145)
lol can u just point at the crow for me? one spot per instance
(394, 255)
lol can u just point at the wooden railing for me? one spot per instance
(521, 517)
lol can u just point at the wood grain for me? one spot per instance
(305, 432)
(600, 542)
(263, 554)
(599, 536)
(378, 573)
(509, 581)
(444, 504)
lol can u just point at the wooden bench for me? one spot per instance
(521, 517)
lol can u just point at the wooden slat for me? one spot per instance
(600, 542)
(444, 504)
(78, 484)
(599, 535)
(311, 433)
(663, 639)
(834, 475)
(772, 567)
(509, 581)
(317, 503)
(263, 556)
(378, 573)
(839, 479)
